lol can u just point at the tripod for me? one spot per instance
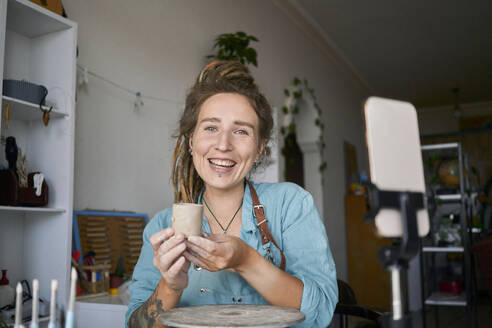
(395, 258)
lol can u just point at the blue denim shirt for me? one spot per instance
(297, 228)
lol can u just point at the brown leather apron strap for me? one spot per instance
(262, 224)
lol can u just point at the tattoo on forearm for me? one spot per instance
(146, 315)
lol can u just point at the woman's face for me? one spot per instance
(225, 142)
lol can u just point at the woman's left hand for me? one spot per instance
(217, 252)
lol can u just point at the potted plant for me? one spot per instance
(235, 46)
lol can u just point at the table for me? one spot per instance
(231, 315)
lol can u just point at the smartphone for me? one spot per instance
(395, 158)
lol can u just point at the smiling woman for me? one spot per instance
(242, 258)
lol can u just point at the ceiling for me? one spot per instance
(412, 50)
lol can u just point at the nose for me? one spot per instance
(223, 141)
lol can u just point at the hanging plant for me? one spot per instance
(235, 46)
(298, 91)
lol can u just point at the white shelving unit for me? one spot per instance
(39, 46)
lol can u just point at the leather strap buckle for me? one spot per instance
(257, 207)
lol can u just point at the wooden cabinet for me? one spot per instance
(39, 46)
(367, 277)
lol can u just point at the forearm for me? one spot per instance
(163, 298)
(276, 286)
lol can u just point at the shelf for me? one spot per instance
(31, 209)
(440, 146)
(443, 249)
(28, 19)
(446, 299)
(449, 198)
(27, 111)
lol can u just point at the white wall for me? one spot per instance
(122, 158)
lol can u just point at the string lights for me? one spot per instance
(138, 103)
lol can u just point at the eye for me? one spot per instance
(210, 128)
(242, 132)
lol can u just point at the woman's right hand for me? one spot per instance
(169, 259)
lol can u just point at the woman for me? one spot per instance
(223, 133)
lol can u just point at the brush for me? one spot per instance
(54, 287)
(18, 306)
(35, 304)
(71, 302)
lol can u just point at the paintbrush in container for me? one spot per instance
(71, 302)
(54, 287)
(35, 304)
(18, 306)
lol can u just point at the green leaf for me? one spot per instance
(285, 110)
(322, 167)
(297, 94)
(292, 161)
(434, 179)
(296, 81)
(295, 110)
(282, 130)
(286, 92)
(292, 127)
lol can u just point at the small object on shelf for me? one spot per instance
(22, 169)
(46, 117)
(53, 5)
(99, 278)
(11, 152)
(7, 115)
(25, 90)
(449, 172)
(12, 194)
(451, 286)
(7, 293)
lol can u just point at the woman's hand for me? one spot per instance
(169, 259)
(217, 252)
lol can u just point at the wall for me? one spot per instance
(122, 158)
(442, 119)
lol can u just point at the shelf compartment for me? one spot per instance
(31, 20)
(31, 209)
(446, 299)
(27, 111)
(428, 249)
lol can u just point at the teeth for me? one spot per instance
(222, 162)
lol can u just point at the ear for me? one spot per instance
(190, 141)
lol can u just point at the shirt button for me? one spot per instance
(239, 300)
(234, 299)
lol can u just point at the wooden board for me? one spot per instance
(231, 315)
(111, 237)
(368, 279)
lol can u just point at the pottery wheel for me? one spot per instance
(231, 315)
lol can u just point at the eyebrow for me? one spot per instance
(217, 120)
